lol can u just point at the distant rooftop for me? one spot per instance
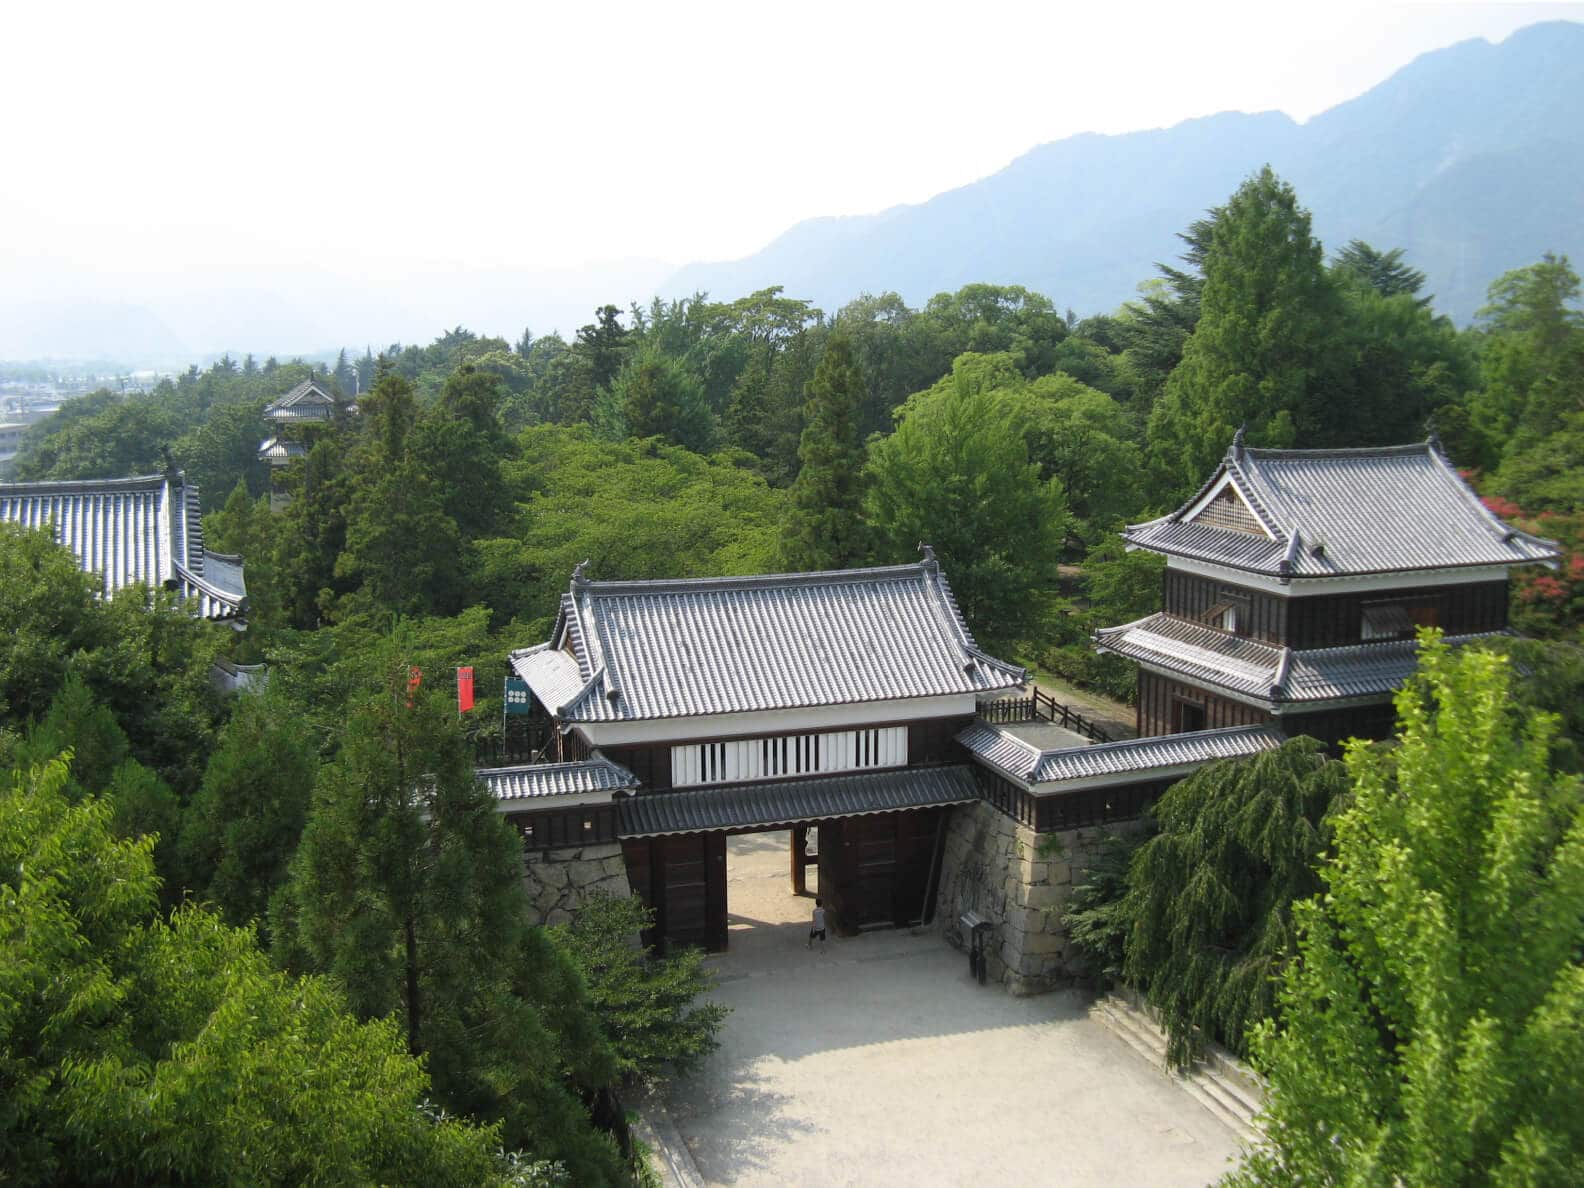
(623, 651)
(1332, 513)
(308, 401)
(130, 530)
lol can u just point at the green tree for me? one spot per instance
(1258, 355)
(1532, 359)
(407, 886)
(1432, 1025)
(604, 344)
(244, 823)
(956, 474)
(133, 1050)
(1384, 272)
(658, 396)
(825, 526)
(1209, 899)
(401, 548)
(647, 1005)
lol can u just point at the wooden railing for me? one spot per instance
(1040, 706)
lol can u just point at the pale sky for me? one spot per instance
(159, 150)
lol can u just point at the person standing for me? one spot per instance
(817, 928)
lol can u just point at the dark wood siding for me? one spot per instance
(1189, 596)
(1337, 620)
(683, 880)
(930, 741)
(876, 869)
(1069, 810)
(555, 829)
(1159, 699)
(1334, 726)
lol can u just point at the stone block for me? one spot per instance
(1046, 897)
(1043, 944)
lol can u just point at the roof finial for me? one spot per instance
(1236, 450)
(929, 556)
(578, 578)
(1432, 438)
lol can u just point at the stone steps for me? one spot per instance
(1218, 1082)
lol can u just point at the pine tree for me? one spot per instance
(408, 886)
(825, 527)
(1258, 355)
(747, 412)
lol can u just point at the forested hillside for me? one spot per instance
(1468, 159)
(439, 526)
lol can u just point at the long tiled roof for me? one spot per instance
(1273, 675)
(1331, 513)
(745, 806)
(624, 651)
(556, 779)
(131, 530)
(1002, 749)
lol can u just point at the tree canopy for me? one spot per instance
(1431, 1026)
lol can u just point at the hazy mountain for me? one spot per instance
(1470, 158)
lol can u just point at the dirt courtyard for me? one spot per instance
(879, 1061)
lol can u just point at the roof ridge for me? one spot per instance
(71, 486)
(1414, 447)
(813, 578)
(1123, 744)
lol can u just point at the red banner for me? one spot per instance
(464, 689)
(414, 679)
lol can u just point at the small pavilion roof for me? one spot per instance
(1294, 514)
(544, 780)
(146, 529)
(1275, 676)
(625, 651)
(1147, 758)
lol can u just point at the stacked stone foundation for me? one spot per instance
(560, 882)
(1020, 881)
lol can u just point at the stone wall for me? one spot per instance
(1019, 880)
(559, 882)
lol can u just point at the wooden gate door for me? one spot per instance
(875, 870)
(683, 878)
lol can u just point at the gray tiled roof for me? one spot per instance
(276, 449)
(625, 651)
(1338, 512)
(744, 806)
(556, 779)
(145, 529)
(1198, 653)
(306, 402)
(1274, 675)
(1029, 765)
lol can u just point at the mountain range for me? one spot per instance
(1470, 159)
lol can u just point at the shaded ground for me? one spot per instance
(878, 1061)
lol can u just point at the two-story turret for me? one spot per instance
(1296, 580)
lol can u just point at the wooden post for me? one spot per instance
(799, 860)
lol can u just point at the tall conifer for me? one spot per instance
(825, 527)
(1259, 354)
